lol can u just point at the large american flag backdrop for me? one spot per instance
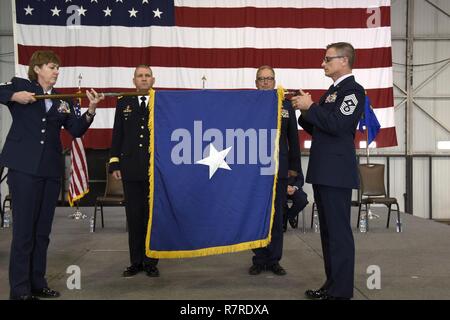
(224, 41)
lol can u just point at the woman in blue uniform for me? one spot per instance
(32, 153)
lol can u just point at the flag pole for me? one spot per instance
(204, 81)
(77, 215)
(370, 214)
(79, 95)
(367, 145)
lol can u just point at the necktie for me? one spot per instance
(48, 103)
(143, 104)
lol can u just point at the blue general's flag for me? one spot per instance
(369, 122)
(212, 181)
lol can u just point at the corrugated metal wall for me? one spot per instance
(431, 28)
(431, 31)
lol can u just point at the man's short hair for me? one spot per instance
(264, 68)
(146, 66)
(344, 49)
(39, 58)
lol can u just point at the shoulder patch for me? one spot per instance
(349, 104)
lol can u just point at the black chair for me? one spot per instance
(113, 196)
(373, 191)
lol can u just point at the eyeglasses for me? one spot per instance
(328, 59)
(262, 79)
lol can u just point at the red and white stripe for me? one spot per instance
(226, 41)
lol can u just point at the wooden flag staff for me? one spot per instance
(83, 95)
(110, 94)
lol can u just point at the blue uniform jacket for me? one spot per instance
(33, 144)
(332, 123)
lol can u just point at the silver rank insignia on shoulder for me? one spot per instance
(349, 104)
(63, 107)
(284, 113)
(331, 98)
(127, 109)
(5, 83)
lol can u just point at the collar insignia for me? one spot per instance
(331, 98)
(284, 113)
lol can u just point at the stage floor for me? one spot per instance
(414, 264)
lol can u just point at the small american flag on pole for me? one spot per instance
(79, 177)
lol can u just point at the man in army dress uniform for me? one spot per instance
(130, 162)
(268, 258)
(332, 168)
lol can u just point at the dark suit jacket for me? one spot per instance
(130, 141)
(289, 156)
(33, 144)
(332, 123)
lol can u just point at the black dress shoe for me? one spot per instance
(46, 293)
(328, 297)
(24, 297)
(277, 269)
(255, 269)
(293, 222)
(151, 271)
(132, 270)
(319, 294)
